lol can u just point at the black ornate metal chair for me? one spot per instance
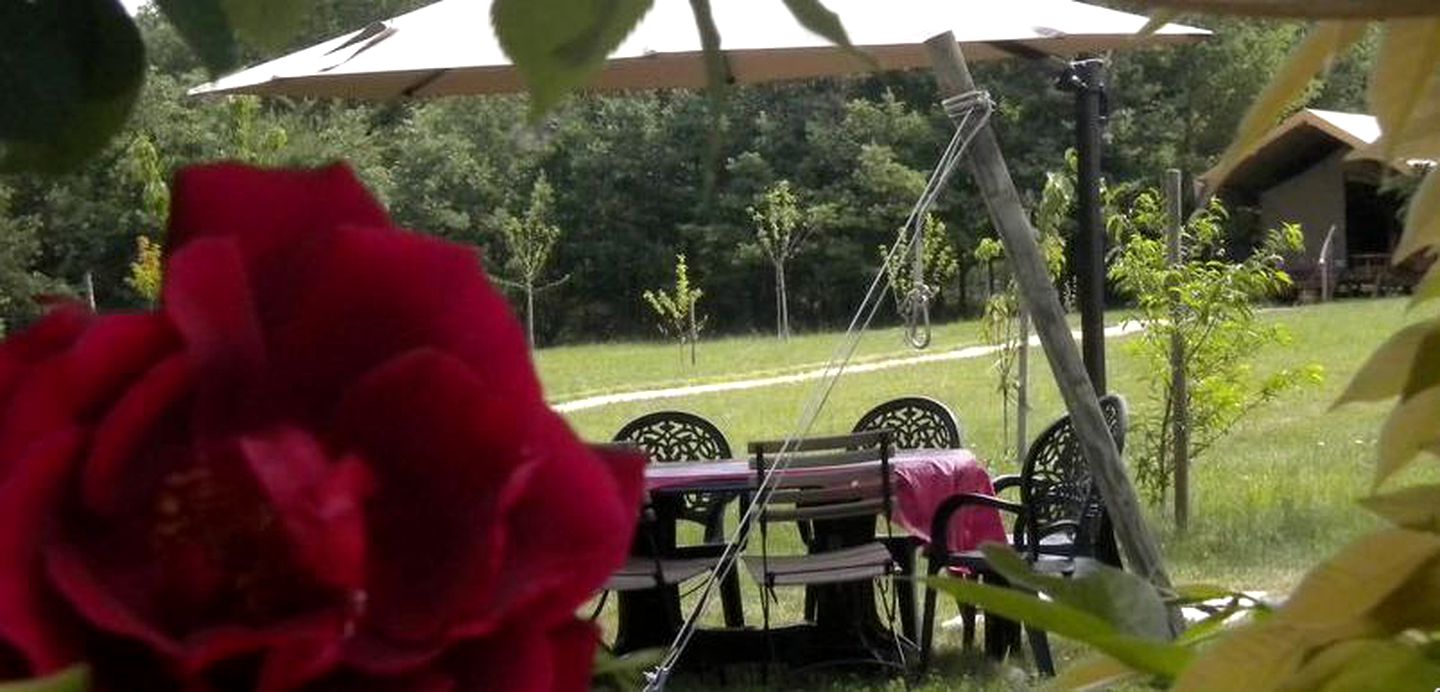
(673, 436)
(1059, 522)
(915, 422)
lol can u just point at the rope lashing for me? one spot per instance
(970, 112)
(962, 110)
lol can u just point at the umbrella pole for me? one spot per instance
(1086, 77)
(1042, 301)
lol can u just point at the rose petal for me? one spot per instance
(361, 305)
(441, 449)
(516, 662)
(74, 579)
(114, 462)
(266, 210)
(572, 652)
(208, 299)
(78, 382)
(28, 621)
(569, 523)
(320, 505)
(51, 334)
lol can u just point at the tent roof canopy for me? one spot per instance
(449, 47)
(1302, 141)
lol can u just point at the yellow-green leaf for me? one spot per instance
(558, 45)
(1093, 673)
(1158, 20)
(1384, 375)
(1320, 46)
(1156, 658)
(1256, 658)
(1416, 507)
(1380, 666)
(1405, 67)
(1410, 429)
(1319, 9)
(1413, 606)
(73, 679)
(1428, 288)
(1422, 223)
(266, 23)
(1362, 575)
(814, 16)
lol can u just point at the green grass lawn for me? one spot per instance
(1269, 500)
(573, 372)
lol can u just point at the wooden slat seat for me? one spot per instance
(860, 562)
(643, 573)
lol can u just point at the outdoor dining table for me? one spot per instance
(921, 481)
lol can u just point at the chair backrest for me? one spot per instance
(835, 477)
(668, 436)
(1056, 484)
(915, 422)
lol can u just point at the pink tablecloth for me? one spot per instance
(922, 480)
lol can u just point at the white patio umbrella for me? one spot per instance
(449, 47)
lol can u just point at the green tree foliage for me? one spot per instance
(529, 242)
(676, 310)
(629, 171)
(781, 228)
(145, 270)
(1208, 302)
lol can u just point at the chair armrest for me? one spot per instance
(940, 524)
(1006, 482)
(1036, 544)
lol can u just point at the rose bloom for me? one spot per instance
(323, 462)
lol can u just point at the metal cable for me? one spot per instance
(961, 107)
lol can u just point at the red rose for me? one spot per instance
(324, 462)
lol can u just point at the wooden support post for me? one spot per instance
(1042, 301)
(90, 290)
(1179, 386)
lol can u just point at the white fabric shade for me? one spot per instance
(449, 47)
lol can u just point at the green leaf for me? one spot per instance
(1387, 371)
(813, 15)
(1409, 54)
(1368, 664)
(1409, 430)
(558, 45)
(1126, 601)
(1416, 507)
(1422, 222)
(206, 29)
(73, 679)
(70, 71)
(1094, 673)
(267, 24)
(1312, 55)
(1151, 657)
(1158, 20)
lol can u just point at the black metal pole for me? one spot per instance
(1087, 79)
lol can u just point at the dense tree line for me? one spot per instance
(632, 183)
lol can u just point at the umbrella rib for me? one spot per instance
(423, 82)
(1023, 50)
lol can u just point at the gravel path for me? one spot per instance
(794, 378)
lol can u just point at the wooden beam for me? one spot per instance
(1042, 302)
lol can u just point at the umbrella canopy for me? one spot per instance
(449, 47)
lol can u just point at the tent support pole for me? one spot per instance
(1042, 301)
